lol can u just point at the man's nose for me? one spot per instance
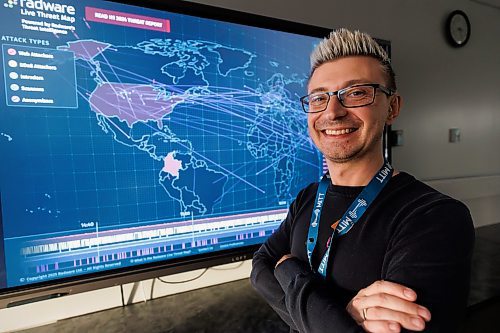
(335, 109)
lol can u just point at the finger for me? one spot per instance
(393, 303)
(410, 322)
(388, 287)
(381, 326)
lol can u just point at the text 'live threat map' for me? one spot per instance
(118, 117)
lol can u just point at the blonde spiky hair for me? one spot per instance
(344, 43)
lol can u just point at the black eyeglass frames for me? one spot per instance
(350, 97)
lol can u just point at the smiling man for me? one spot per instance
(368, 248)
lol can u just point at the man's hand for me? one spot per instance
(385, 306)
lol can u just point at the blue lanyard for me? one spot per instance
(350, 217)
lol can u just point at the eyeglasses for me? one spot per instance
(350, 97)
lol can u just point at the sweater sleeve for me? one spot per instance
(262, 277)
(310, 301)
(431, 253)
(299, 296)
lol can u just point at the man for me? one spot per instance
(368, 248)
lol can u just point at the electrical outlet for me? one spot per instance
(454, 135)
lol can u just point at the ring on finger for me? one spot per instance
(364, 313)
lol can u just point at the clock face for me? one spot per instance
(458, 28)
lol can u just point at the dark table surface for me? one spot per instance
(235, 307)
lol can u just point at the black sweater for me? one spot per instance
(411, 235)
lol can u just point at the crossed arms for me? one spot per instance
(438, 278)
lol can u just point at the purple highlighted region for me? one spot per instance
(85, 49)
(132, 102)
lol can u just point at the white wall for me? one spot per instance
(443, 88)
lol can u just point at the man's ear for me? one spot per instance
(394, 108)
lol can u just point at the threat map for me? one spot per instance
(118, 117)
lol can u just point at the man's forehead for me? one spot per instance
(346, 71)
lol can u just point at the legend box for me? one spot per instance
(39, 77)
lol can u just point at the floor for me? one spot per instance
(230, 307)
(235, 307)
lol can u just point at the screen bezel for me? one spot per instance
(14, 296)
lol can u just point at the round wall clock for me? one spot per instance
(458, 28)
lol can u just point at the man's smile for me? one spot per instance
(337, 132)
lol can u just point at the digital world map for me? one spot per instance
(177, 124)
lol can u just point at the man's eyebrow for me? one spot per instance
(344, 85)
(357, 81)
(319, 89)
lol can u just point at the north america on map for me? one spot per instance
(191, 97)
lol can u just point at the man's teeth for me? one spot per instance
(339, 132)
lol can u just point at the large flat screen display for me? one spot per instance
(135, 137)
